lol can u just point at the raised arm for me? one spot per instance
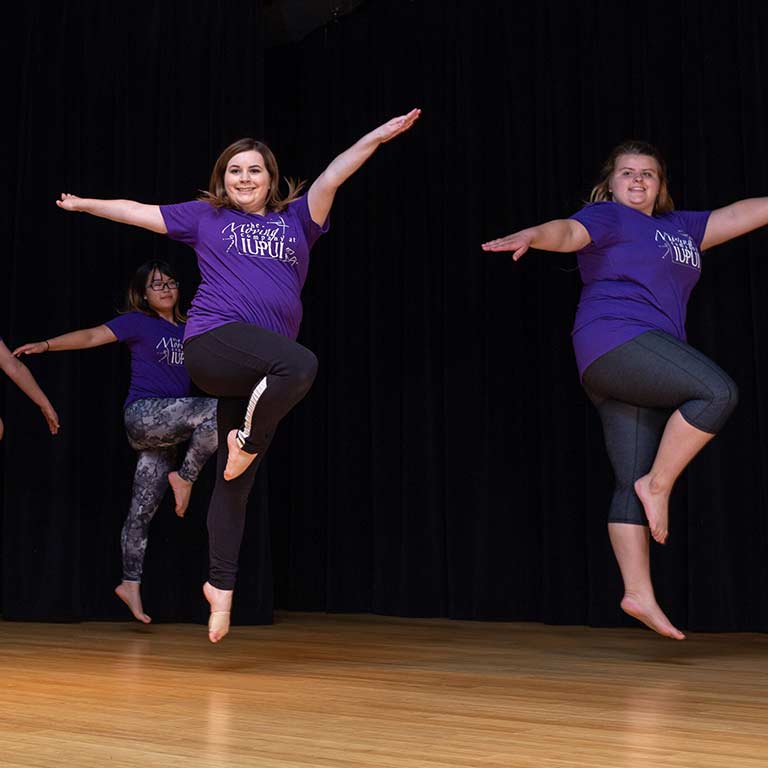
(561, 235)
(321, 193)
(20, 375)
(83, 339)
(733, 220)
(122, 211)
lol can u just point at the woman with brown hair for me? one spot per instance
(159, 412)
(253, 247)
(659, 399)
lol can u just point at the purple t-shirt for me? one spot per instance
(638, 273)
(157, 356)
(252, 267)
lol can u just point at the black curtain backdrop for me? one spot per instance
(446, 462)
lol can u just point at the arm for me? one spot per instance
(734, 220)
(560, 235)
(84, 339)
(122, 211)
(321, 193)
(20, 375)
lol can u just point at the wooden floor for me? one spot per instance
(348, 691)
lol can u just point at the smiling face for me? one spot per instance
(246, 181)
(635, 182)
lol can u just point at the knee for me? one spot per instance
(726, 398)
(711, 413)
(303, 372)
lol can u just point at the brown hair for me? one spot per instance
(135, 300)
(600, 191)
(217, 194)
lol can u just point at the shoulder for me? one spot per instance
(190, 210)
(603, 221)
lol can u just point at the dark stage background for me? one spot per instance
(446, 462)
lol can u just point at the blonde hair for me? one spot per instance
(601, 192)
(217, 193)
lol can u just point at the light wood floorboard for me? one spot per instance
(342, 691)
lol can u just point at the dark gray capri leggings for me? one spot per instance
(635, 388)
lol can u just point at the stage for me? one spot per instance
(361, 690)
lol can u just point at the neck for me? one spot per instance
(166, 315)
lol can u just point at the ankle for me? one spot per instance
(658, 486)
(645, 595)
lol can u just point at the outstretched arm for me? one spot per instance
(561, 235)
(83, 339)
(733, 220)
(122, 211)
(322, 192)
(20, 375)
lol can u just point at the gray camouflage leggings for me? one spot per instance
(155, 426)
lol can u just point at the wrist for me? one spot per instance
(47, 345)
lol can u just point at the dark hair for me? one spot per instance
(135, 299)
(600, 191)
(217, 194)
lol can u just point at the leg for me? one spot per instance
(630, 545)
(149, 485)
(258, 377)
(226, 522)
(199, 413)
(679, 444)
(656, 370)
(272, 373)
(632, 436)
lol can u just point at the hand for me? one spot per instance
(51, 417)
(35, 348)
(69, 202)
(2, 429)
(517, 242)
(396, 126)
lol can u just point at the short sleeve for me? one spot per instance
(601, 220)
(125, 327)
(183, 219)
(312, 230)
(693, 223)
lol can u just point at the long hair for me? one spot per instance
(137, 290)
(217, 194)
(600, 191)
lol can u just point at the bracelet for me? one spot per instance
(47, 345)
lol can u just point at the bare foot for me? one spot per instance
(656, 506)
(237, 460)
(182, 490)
(128, 592)
(647, 610)
(220, 601)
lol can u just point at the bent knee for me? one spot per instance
(303, 373)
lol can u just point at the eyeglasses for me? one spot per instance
(158, 285)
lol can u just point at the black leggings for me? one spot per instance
(635, 388)
(258, 376)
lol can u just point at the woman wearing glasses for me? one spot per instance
(159, 411)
